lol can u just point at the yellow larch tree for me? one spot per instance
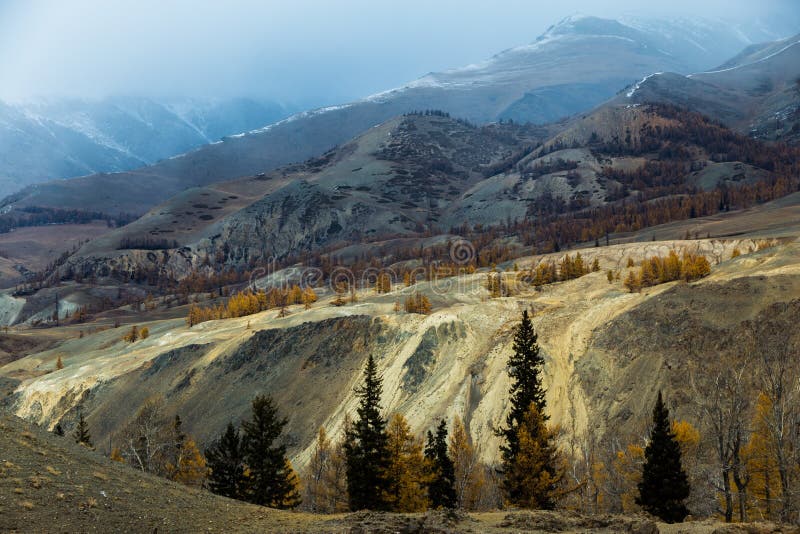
(407, 471)
(469, 475)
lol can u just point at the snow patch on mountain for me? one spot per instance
(636, 86)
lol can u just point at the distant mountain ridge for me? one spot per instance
(63, 138)
(756, 93)
(576, 65)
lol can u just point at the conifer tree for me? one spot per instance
(366, 446)
(524, 368)
(664, 486)
(225, 460)
(532, 479)
(272, 481)
(82, 435)
(527, 392)
(441, 487)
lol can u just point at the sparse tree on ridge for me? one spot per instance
(82, 435)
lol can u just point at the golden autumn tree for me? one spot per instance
(538, 469)
(325, 483)
(340, 289)
(190, 468)
(295, 295)
(633, 282)
(132, 335)
(406, 472)
(383, 284)
(418, 303)
(469, 475)
(626, 473)
(765, 478)
(309, 297)
(116, 455)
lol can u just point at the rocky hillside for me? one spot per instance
(449, 363)
(419, 176)
(574, 66)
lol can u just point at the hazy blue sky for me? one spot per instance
(303, 50)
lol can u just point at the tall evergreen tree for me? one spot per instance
(532, 480)
(441, 488)
(272, 481)
(366, 446)
(664, 486)
(524, 369)
(82, 435)
(225, 460)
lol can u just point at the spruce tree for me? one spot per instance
(524, 368)
(664, 486)
(272, 481)
(226, 463)
(82, 435)
(366, 447)
(441, 488)
(532, 481)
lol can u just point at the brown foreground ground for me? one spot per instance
(49, 484)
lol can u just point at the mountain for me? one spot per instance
(63, 138)
(420, 176)
(574, 66)
(757, 92)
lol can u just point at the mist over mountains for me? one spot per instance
(575, 65)
(44, 139)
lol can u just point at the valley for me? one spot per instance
(553, 290)
(446, 364)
